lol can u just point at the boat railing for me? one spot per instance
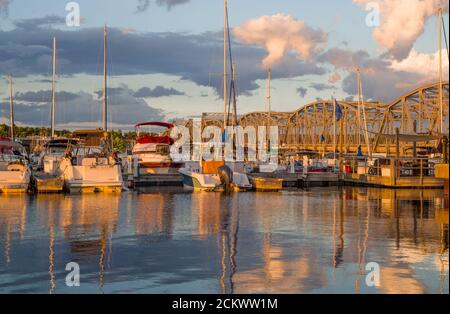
(390, 166)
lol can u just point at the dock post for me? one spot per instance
(421, 172)
(135, 167)
(397, 154)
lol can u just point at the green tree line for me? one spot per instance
(120, 140)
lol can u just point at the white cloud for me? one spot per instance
(279, 34)
(422, 63)
(402, 22)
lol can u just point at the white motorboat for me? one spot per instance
(14, 167)
(91, 166)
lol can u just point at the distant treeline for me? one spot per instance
(120, 139)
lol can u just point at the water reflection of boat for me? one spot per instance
(153, 215)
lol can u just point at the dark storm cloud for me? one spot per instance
(321, 87)
(44, 96)
(380, 82)
(170, 3)
(142, 6)
(123, 107)
(192, 57)
(302, 91)
(143, 92)
(385, 85)
(4, 6)
(158, 91)
(44, 22)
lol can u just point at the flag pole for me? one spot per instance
(334, 127)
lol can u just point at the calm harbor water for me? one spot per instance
(314, 241)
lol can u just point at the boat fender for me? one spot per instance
(226, 176)
(115, 157)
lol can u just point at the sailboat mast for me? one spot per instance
(361, 107)
(225, 25)
(53, 87)
(233, 109)
(441, 102)
(11, 108)
(105, 73)
(334, 127)
(269, 109)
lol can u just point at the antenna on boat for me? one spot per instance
(441, 102)
(11, 108)
(105, 73)
(225, 25)
(53, 87)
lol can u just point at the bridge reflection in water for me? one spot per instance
(292, 242)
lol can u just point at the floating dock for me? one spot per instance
(302, 180)
(46, 183)
(148, 180)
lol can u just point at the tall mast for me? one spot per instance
(441, 102)
(225, 25)
(11, 108)
(363, 109)
(233, 109)
(269, 109)
(105, 73)
(53, 87)
(334, 127)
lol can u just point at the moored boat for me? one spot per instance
(199, 181)
(47, 178)
(204, 178)
(14, 167)
(152, 149)
(91, 166)
(267, 184)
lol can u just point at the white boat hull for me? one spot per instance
(14, 181)
(200, 182)
(91, 178)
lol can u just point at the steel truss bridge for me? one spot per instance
(371, 126)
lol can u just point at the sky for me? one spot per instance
(165, 57)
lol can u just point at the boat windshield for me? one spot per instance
(95, 152)
(12, 149)
(56, 150)
(9, 158)
(154, 133)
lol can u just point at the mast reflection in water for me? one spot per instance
(315, 241)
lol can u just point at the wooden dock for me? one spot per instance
(148, 180)
(391, 182)
(302, 180)
(45, 183)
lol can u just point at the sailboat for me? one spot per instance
(213, 175)
(14, 167)
(91, 165)
(47, 178)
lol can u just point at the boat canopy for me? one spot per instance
(90, 138)
(155, 139)
(162, 124)
(61, 142)
(11, 144)
(8, 147)
(412, 137)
